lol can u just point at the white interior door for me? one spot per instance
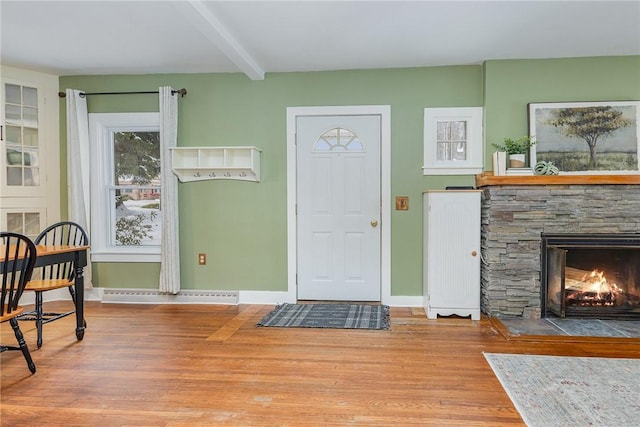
(338, 207)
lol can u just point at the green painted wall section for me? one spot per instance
(511, 85)
(242, 226)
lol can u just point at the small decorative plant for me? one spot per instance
(545, 168)
(516, 146)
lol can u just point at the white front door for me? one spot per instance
(338, 207)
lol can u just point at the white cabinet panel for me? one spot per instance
(452, 253)
(29, 150)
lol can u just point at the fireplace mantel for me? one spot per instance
(487, 179)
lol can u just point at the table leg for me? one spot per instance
(79, 288)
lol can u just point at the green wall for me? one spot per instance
(511, 85)
(242, 226)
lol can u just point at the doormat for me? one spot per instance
(337, 316)
(570, 391)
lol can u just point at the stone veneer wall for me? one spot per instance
(513, 216)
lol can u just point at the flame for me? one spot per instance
(596, 283)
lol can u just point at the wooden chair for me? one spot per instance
(18, 255)
(55, 276)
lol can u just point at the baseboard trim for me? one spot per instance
(193, 296)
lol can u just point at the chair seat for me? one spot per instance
(48, 284)
(14, 313)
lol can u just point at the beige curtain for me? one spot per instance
(78, 164)
(170, 257)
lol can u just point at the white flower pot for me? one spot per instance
(516, 160)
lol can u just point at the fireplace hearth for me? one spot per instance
(590, 275)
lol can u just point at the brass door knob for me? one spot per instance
(374, 223)
(474, 253)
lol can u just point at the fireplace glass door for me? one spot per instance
(591, 275)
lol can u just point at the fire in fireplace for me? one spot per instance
(590, 275)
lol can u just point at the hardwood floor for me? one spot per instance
(209, 365)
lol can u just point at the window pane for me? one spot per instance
(14, 176)
(338, 139)
(443, 131)
(138, 216)
(31, 137)
(136, 158)
(30, 117)
(31, 177)
(12, 93)
(30, 96)
(12, 115)
(460, 131)
(14, 223)
(31, 223)
(460, 151)
(444, 151)
(13, 135)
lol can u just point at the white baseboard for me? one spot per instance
(190, 296)
(404, 301)
(266, 297)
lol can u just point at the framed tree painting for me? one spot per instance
(587, 137)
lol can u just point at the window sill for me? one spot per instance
(471, 170)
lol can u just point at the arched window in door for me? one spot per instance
(338, 140)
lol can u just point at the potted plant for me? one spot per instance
(517, 149)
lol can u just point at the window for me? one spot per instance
(338, 139)
(453, 141)
(126, 219)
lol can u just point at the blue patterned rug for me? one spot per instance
(337, 316)
(571, 391)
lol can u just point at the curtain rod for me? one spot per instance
(182, 93)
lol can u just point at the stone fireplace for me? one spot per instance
(518, 210)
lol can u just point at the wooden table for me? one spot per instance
(47, 255)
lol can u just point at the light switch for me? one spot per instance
(402, 203)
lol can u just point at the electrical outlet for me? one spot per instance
(202, 259)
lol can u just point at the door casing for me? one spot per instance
(384, 111)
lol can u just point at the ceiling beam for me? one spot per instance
(211, 27)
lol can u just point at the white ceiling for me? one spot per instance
(257, 37)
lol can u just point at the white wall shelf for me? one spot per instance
(200, 163)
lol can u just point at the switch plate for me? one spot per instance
(202, 259)
(402, 203)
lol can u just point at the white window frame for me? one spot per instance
(475, 146)
(101, 126)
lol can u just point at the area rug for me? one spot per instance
(337, 316)
(571, 391)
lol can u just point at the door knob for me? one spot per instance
(374, 223)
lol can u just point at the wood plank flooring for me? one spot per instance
(209, 365)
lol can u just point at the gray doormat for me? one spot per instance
(337, 316)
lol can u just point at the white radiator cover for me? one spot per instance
(150, 296)
(452, 253)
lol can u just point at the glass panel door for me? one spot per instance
(22, 148)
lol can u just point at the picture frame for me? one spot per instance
(586, 137)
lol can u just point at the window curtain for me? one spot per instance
(170, 256)
(78, 166)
